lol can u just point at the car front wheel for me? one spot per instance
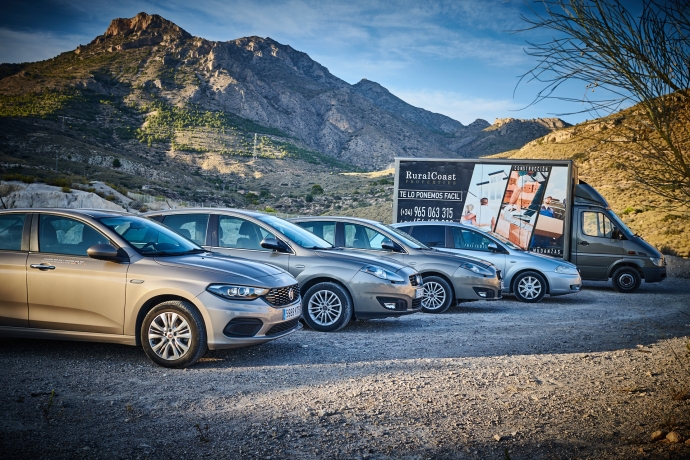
(529, 287)
(626, 280)
(327, 307)
(173, 334)
(438, 295)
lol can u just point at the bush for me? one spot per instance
(59, 183)
(66, 189)
(19, 177)
(309, 198)
(316, 189)
(116, 163)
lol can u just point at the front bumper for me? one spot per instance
(470, 286)
(369, 294)
(560, 284)
(220, 312)
(654, 274)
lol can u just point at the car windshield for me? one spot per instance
(404, 237)
(505, 241)
(296, 233)
(150, 238)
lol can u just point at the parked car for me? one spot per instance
(114, 277)
(446, 277)
(528, 275)
(336, 285)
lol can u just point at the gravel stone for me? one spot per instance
(658, 435)
(674, 437)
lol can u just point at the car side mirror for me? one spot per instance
(107, 252)
(389, 245)
(493, 247)
(275, 244)
(616, 234)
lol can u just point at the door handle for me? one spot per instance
(43, 267)
(584, 243)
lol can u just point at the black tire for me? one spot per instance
(626, 280)
(529, 287)
(327, 307)
(162, 349)
(438, 295)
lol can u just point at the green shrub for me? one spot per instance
(316, 189)
(309, 198)
(66, 189)
(116, 163)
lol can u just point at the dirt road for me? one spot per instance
(590, 375)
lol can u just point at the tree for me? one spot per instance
(117, 163)
(625, 58)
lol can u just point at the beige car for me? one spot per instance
(115, 277)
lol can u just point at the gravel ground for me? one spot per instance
(591, 375)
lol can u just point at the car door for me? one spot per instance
(241, 237)
(476, 244)
(366, 239)
(67, 290)
(596, 249)
(14, 250)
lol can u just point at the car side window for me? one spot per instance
(237, 233)
(62, 235)
(361, 237)
(596, 224)
(11, 230)
(191, 226)
(433, 236)
(470, 240)
(324, 230)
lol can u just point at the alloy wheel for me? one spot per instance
(325, 308)
(169, 336)
(529, 287)
(434, 295)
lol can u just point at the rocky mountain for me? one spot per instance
(147, 103)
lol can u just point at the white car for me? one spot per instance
(528, 275)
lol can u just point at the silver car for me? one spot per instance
(114, 277)
(528, 275)
(446, 277)
(336, 285)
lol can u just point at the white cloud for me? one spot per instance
(17, 46)
(459, 106)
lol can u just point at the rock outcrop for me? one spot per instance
(46, 196)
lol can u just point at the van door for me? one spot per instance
(596, 249)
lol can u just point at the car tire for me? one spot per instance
(529, 287)
(626, 280)
(173, 334)
(438, 295)
(327, 307)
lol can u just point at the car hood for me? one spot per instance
(362, 259)
(454, 258)
(240, 270)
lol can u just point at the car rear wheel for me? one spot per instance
(529, 287)
(327, 307)
(173, 334)
(438, 295)
(626, 280)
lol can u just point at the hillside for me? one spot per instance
(147, 104)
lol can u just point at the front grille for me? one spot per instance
(283, 327)
(414, 280)
(416, 303)
(281, 296)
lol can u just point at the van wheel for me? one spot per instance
(626, 280)
(529, 287)
(173, 334)
(327, 307)
(438, 295)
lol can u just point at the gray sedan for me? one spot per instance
(528, 275)
(335, 284)
(446, 277)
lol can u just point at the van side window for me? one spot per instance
(191, 226)
(62, 235)
(471, 240)
(237, 233)
(324, 230)
(596, 224)
(11, 229)
(433, 236)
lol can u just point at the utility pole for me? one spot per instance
(255, 136)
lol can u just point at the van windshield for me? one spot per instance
(619, 223)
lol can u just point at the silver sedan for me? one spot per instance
(528, 275)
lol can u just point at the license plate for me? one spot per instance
(419, 293)
(292, 312)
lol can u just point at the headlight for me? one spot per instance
(478, 269)
(233, 292)
(382, 273)
(660, 262)
(566, 270)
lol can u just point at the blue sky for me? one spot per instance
(453, 57)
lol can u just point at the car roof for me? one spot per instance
(342, 218)
(81, 211)
(205, 211)
(426, 222)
